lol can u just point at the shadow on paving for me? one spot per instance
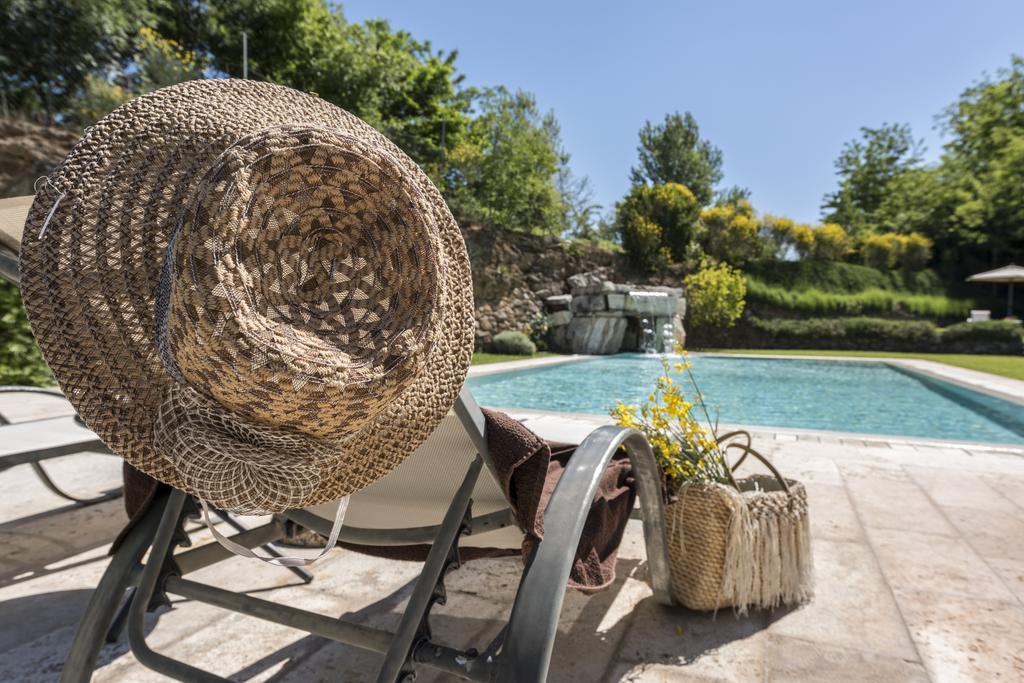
(648, 633)
(34, 544)
(671, 635)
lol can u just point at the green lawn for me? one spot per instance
(1007, 366)
(485, 358)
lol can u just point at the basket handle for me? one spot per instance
(747, 450)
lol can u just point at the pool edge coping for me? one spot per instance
(525, 364)
(866, 438)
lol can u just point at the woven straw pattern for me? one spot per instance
(313, 323)
(728, 549)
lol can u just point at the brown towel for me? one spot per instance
(529, 469)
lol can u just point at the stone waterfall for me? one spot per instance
(601, 317)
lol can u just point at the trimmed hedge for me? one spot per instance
(875, 334)
(841, 277)
(874, 300)
(979, 337)
(513, 344)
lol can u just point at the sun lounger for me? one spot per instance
(979, 316)
(398, 510)
(425, 501)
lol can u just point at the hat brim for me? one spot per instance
(94, 245)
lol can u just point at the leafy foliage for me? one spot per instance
(50, 47)
(537, 331)
(715, 296)
(877, 334)
(513, 343)
(657, 223)
(846, 333)
(398, 84)
(641, 240)
(983, 164)
(674, 152)
(865, 168)
(156, 62)
(831, 243)
(837, 276)
(890, 250)
(20, 360)
(969, 204)
(763, 297)
(503, 171)
(992, 336)
(731, 233)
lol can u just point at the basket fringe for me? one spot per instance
(768, 558)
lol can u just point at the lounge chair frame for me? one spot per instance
(521, 651)
(35, 456)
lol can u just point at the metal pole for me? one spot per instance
(245, 54)
(1009, 303)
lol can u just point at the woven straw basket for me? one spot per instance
(740, 549)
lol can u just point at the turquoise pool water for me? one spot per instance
(871, 398)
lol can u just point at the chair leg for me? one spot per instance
(163, 544)
(121, 618)
(526, 651)
(119, 575)
(430, 585)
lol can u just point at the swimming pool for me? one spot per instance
(847, 396)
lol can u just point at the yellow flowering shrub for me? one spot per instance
(732, 234)
(687, 449)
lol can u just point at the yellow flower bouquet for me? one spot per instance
(740, 543)
(687, 450)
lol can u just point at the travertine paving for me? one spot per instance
(919, 553)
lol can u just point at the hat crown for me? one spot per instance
(299, 287)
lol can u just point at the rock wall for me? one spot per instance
(600, 317)
(514, 273)
(28, 151)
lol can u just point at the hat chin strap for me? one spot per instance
(332, 540)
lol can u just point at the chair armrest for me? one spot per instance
(534, 619)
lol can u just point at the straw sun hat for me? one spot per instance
(249, 294)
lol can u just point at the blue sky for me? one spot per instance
(778, 86)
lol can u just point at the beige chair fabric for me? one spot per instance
(418, 492)
(12, 220)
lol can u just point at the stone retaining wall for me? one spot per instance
(514, 273)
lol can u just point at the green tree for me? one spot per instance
(916, 199)
(866, 168)
(504, 170)
(983, 165)
(156, 63)
(732, 196)
(674, 152)
(398, 84)
(49, 47)
(672, 209)
(580, 211)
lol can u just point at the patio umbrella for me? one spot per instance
(1008, 274)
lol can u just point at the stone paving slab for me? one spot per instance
(918, 548)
